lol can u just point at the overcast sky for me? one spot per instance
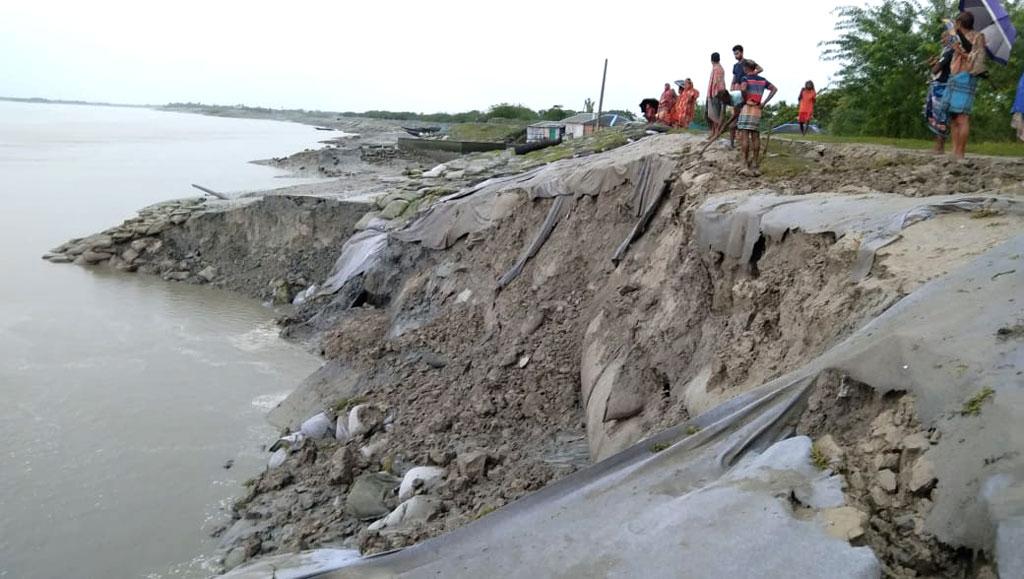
(447, 55)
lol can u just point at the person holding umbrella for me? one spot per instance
(983, 29)
(968, 65)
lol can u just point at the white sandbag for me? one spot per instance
(318, 427)
(425, 477)
(278, 458)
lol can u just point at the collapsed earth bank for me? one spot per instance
(507, 337)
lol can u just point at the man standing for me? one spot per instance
(714, 108)
(753, 88)
(737, 78)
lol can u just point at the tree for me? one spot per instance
(883, 54)
(588, 106)
(555, 113)
(509, 111)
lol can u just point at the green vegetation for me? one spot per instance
(495, 130)
(973, 405)
(985, 214)
(818, 458)
(608, 139)
(483, 512)
(1000, 149)
(388, 463)
(659, 447)
(345, 404)
(783, 161)
(883, 52)
(514, 112)
(691, 430)
(551, 154)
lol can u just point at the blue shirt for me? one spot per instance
(737, 72)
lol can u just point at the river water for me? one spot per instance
(124, 396)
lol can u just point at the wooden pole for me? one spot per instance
(600, 103)
(211, 192)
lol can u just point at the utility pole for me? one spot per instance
(600, 103)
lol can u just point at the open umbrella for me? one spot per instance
(991, 19)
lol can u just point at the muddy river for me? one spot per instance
(125, 397)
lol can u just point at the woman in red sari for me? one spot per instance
(686, 104)
(665, 105)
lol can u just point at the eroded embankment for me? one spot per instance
(520, 329)
(269, 247)
(487, 393)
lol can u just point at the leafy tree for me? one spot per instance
(883, 53)
(509, 111)
(555, 113)
(588, 106)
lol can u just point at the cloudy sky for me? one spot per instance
(446, 55)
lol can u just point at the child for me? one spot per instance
(748, 123)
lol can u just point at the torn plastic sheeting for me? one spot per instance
(481, 207)
(555, 214)
(294, 566)
(652, 204)
(358, 255)
(660, 513)
(651, 188)
(941, 345)
(733, 223)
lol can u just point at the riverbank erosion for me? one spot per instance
(268, 247)
(813, 372)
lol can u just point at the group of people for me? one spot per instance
(746, 96)
(954, 83)
(675, 109)
(955, 74)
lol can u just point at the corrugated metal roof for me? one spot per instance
(580, 119)
(548, 124)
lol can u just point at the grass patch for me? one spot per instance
(691, 430)
(985, 214)
(550, 154)
(973, 406)
(345, 404)
(1000, 149)
(607, 139)
(483, 512)
(818, 458)
(658, 447)
(785, 164)
(495, 131)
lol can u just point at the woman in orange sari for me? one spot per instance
(686, 104)
(666, 104)
(807, 98)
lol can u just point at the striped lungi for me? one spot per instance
(750, 118)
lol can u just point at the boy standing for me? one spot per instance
(753, 88)
(737, 78)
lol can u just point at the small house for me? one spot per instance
(580, 125)
(545, 131)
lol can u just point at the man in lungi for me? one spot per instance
(753, 88)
